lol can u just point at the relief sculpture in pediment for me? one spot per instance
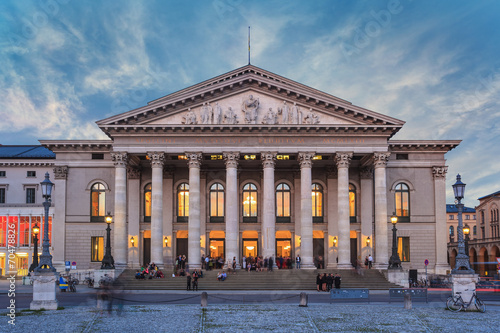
(250, 107)
(189, 118)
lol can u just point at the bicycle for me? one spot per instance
(456, 303)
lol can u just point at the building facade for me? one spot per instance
(250, 163)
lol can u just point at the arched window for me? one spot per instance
(249, 203)
(217, 203)
(183, 202)
(452, 231)
(317, 203)
(283, 203)
(352, 203)
(402, 202)
(147, 203)
(97, 202)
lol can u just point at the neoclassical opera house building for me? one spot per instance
(250, 163)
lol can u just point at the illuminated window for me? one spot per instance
(217, 203)
(3, 231)
(147, 203)
(317, 203)
(352, 203)
(249, 203)
(97, 252)
(283, 203)
(183, 202)
(182, 157)
(97, 202)
(24, 231)
(404, 248)
(402, 202)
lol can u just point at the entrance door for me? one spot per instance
(217, 248)
(250, 248)
(319, 251)
(283, 253)
(146, 251)
(354, 250)
(182, 247)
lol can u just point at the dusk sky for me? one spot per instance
(65, 64)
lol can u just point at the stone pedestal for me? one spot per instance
(44, 291)
(100, 273)
(398, 276)
(465, 284)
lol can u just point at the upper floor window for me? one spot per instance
(283, 203)
(31, 174)
(352, 203)
(249, 203)
(97, 202)
(474, 216)
(317, 202)
(30, 195)
(2, 173)
(474, 230)
(147, 203)
(452, 231)
(183, 202)
(402, 202)
(2, 195)
(451, 217)
(482, 216)
(217, 203)
(467, 217)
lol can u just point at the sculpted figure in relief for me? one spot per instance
(230, 116)
(189, 118)
(311, 118)
(206, 114)
(271, 118)
(217, 114)
(250, 107)
(296, 114)
(285, 112)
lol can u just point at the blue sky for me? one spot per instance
(65, 64)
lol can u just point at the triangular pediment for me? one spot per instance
(250, 96)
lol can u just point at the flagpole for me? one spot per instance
(249, 45)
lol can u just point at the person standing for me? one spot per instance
(270, 263)
(297, 262)
(234, 265)
(195, 281)
(188, 280)
(337, 280)
(370, 261)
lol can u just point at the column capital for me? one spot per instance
(305, 159)
(120, 159)
(157, 159)
(268, 159)
(133, 173)
(61, 172)
(343, 159)
(194, 159)
(439, 172)
(231, 159)
(380, 159)
(366, 173)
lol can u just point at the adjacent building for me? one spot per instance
(246, 164)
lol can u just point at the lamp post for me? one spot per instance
(394, 261)
(45, 264)
(108, 262)
(462, 265)
(36, 231)
(466, 230)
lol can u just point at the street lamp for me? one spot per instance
(108, 262)
(36, 231)
(462, 265)
(46, 258)
(394, 262)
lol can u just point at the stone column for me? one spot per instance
(120, 215)
(157, 160)
(232, 227)
(344, 244)
(441, 231)
(381, 246)
(306, 229)
(331, 203)
(168, 205)
(366, 200)
(268, 211)
(194, 221)
(134, 214)
(59, 220)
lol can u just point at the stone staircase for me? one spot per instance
(277, 280)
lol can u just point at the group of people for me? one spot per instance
(149, 272)
(210, 263)
(325, 281)
(257, 264)
(192, 279)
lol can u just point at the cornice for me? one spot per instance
(23, 164)
(77, 145)
(422, 145)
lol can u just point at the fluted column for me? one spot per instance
(58, 222)
(157, 160)
(268, 211)
(306, 226)
(441, 231)
(366, 180)
(133, 209)
(194, 221)
(381, 220)
(120, 215)
(344, 244)
(232, 228)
